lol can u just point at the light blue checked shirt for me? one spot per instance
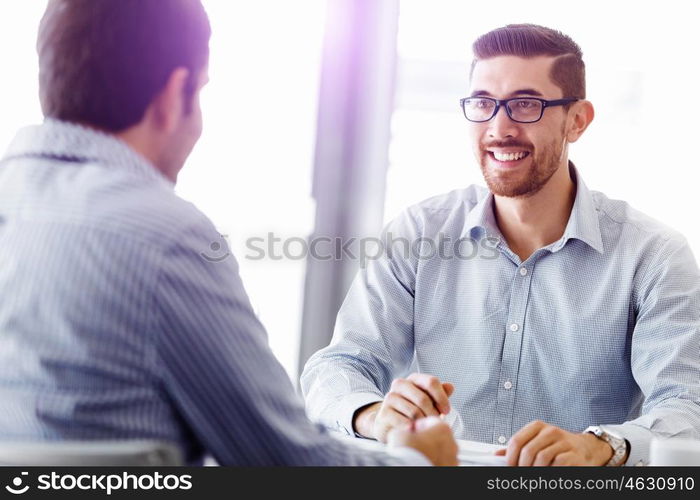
(599, 327)
(113, 325)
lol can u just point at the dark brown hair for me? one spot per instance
(531, 40)
(101, 62)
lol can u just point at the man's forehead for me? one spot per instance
(505, 76)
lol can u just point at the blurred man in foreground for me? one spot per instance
(112, 324)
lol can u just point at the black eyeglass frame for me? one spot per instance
(504, 102)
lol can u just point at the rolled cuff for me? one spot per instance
(349, 405)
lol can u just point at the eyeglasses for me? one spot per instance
(519, 109)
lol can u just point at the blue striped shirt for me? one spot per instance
(114, 325)
(600, 327)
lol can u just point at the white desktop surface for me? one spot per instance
(470, 453)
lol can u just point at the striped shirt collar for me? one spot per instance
(62, 140)
(583, 222)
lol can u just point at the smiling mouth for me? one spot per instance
(508, 157)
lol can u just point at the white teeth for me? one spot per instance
(509, 156)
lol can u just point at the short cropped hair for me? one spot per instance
(531, 40)
(102, 62)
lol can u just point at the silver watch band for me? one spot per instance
(617, 443)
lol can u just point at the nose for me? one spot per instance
(501, 126)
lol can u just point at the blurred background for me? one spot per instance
(328, 117)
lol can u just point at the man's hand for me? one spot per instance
(539, 443)
(418, 396)
(431, 436)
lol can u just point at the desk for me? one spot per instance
(470, 453)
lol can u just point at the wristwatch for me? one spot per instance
(617, 443)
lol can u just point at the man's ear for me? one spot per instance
(168, 106)
(581, 116)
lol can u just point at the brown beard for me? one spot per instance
(543, 165)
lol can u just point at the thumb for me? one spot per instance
(448, 388)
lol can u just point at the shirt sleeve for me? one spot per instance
(224, 381)
(665, 355)
(373, 337)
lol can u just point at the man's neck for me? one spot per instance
(140, 139)
(530, 223)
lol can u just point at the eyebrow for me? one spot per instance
(532, 92)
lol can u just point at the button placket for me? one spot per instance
(512, 345)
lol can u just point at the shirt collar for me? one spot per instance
(583, 222)
(73, 142)
(481, 218)
(582, 225)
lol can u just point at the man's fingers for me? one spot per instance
(529, 452)
(520, 439)
(387, 419)
(567, 458)
(396, 420)
(546, 456)
(399, 403)
(434, 388)
(416, 395)
(448, 388)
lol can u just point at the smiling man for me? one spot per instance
(571, 337)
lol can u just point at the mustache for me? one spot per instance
(508, 144)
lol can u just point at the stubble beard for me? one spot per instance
(543, 165)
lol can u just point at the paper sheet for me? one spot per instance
(475, 453)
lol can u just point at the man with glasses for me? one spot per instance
(570, 337)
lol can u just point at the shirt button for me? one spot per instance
(523, 271)
(508, 384)
(501, 439)
(514, 327)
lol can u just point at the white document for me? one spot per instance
(476, 453)
(468, 453)
(472, 452)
